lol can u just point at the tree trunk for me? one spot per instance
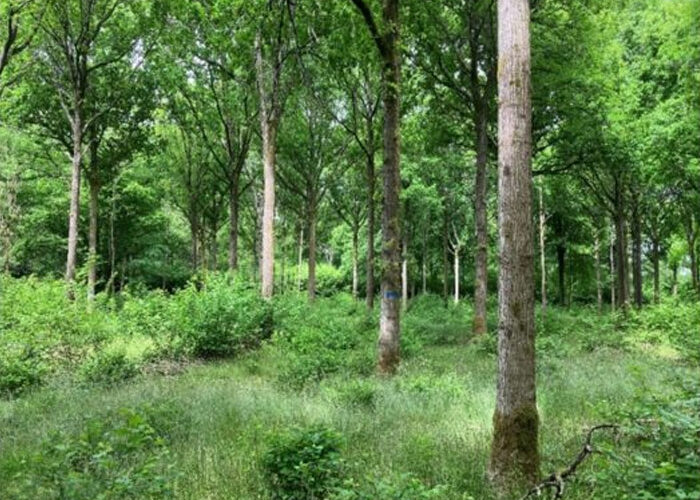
(194, 247)
(637, 256)
(445, 259)
(94, 186)
(301, 258)
(371, 225)
(561, 271)
(598, 283)
(621, 258)
(73, 217)
(655, 265)
(355, 237)
(404, 274)
(543, 267)
(514, 451)
(312, 256)
(612, 270)
(674, 285)
(481, 255)
(389, 324)
(112, 241)
(233, 204)
(691, 236)
(456, 275)
(268, 222)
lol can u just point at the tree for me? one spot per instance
(387, 42)
(271, 50)
(514, 450)
(72, 52)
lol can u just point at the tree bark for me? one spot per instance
(691, 236)
(612, 270)
(637, 256)
(300, 258)
(389, 324)
(561, 272)
(621, 258)
(73, 217)
(371, 224)
(94, 185)
(355, 238)
(481, 256)
(311, 284)
(655, 265)
(456, 275)
(514, 451)
(268, 221)
(445, 258)
(404, 273)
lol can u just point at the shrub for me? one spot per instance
(402, 487)
(125, 458)
(304, 464)
(220, 320)
(20, 372)
(108, 368)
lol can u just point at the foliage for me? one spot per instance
(401, 487)
(121, 458)
(19, 372)
(304, 464)
(107, 368)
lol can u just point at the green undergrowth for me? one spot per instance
(120, 404)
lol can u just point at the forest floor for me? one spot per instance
(424, 433)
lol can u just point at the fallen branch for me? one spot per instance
(556, 480)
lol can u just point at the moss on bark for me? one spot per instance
(515, 459)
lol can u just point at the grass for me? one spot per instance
(432, 420)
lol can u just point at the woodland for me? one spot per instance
(349, 249)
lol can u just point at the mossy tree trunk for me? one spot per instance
(514, 451)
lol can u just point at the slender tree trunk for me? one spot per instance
(481, 255)
(561, 271)
(73, 217)
(404, 272)
(637, 256)
(612, 270)
(445, 259)
(514, 451)
(655, 265)
(312, 255)
(621, 258)
(389, 324)
(112, 241)
(543, 267)
(301, 258)
(233, 204)
(355, 238)
(674, 285)
(456, 275)
(270, 110)
(598, 284)
(214, 250)
(94, 186)
(268, 222)
(691, 236)
(194, 247)
(371, 224)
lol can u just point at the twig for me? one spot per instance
(556, 479)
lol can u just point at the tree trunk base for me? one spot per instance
(514, 456)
